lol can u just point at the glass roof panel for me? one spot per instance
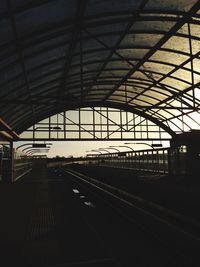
(139, 102)
(180, 85)
(46, 45)
(194, 30)
(43, 87)
(21, 3)
(95, 6)
(101, 86)
(173, 126)
(118, 65)
(109, 29)
(115, 73)
(183, 75)
(148, 99)
(141, 39)
(132, 53)
(197, 94)
(88, 67)
(153, 26)
(195, 46)
(183, 5)
(5, 31)
(196, 78)
(46, 55)
(3, 8)
(94, 56)
(178, 43)
(195, 116)
(45, 70)
(169, 57)
(136, 87)
(15, 88)
(41, 16)
(45, 79)
(11, 72)
(141, 75)
(174, 103)
(109, 40)
(192, 123)
(157, 95)
(131, 95)
(154, 75)
(157, 67)
(189, 98)
(196, 64)
(43, 35)
(184, 30)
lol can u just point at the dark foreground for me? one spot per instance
(47, 219)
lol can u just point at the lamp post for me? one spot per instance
(32, 144)
(124, 146)
(47, 147)
(32, 151)
(103, 149)
(96, 151)
(27, 144)
(37, 150)
(113, 148)
(93, 155)
(150, 145)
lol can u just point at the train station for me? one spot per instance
(99, 133)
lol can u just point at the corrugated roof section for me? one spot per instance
(55, 55)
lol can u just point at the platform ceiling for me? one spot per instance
(142, 56)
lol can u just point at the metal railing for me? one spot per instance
(156, 160)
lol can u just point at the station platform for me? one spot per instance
(42, 226)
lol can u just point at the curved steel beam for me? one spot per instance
(99, 104)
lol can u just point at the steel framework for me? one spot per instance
(95, 124)
(140, 56)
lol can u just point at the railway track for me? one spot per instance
(178, 233)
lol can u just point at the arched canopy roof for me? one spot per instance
(139, 54)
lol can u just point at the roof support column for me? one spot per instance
(7, 163)
(191, 64)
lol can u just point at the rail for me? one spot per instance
(177, 232)
(21, 165)
(21, 169)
